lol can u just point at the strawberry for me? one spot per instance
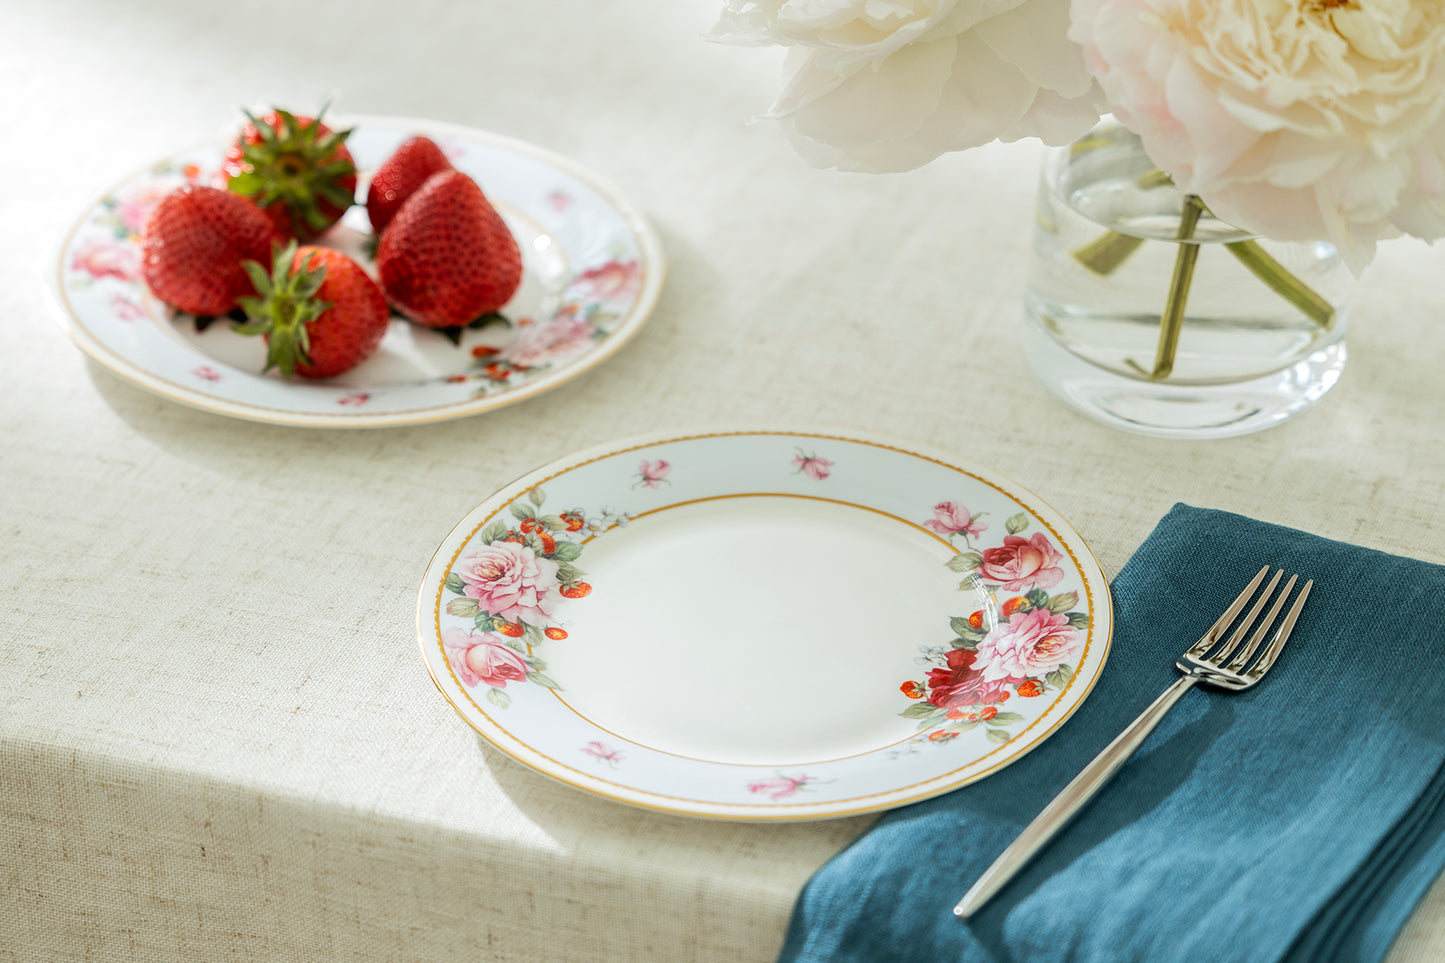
(576, 590)
(399, 177)
(554, 633)
(319, 312)
(193, 244)
(447, 257)
(295, 168)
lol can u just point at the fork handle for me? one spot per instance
(1069, 801)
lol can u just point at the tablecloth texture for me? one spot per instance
(1299, 820)
(217, 739)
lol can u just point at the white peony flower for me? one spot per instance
(889, 85)
(1295, 119)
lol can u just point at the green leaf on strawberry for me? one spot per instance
(295, 168)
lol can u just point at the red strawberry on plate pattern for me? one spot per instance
(400, 176)
(447, 257)
(295, 168)
(320, 313)
(193, 245)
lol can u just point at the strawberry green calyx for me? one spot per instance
(284, 304)
(298, 163)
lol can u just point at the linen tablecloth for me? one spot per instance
(217, 739)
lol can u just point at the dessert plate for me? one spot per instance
(764, 624)
(592, 267)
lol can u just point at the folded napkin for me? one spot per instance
(1299, 820)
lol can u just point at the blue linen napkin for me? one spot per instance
(1299, 820)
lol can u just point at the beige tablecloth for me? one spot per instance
(217, 738)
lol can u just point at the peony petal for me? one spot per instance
(1034, 38)
(880, 103)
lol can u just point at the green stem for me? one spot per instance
(1171, 323)
(1283, 283)
(1107, 252)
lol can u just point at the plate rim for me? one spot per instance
(754, 812)
(650, 249)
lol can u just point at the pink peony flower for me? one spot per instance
(1022, 563)
(1299, 121)
(812, 466)
(102, 259)
(1029, 645)
(950, 518)
(651, 474)
(483, 658)
(613, 281)
(549, 342)
(510, 581)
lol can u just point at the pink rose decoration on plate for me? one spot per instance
(510, 581)
(951, 518)
(613, 281)
(1022, 563)
(1032, 644)
(651, 474)
(549, 342)
(781, 786)
(102, 259)
(812, 466)
(963, 683)
(484, 658)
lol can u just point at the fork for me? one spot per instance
(1228, 668)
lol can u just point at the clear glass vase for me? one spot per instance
(1148, 313)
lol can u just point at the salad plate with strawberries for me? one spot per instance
(356, 272)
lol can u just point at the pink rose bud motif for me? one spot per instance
(485, 659)
(1021, 563)
(1030, 645)
(651, 474)
(951, 518)
(510, 581)
(125, 309)
(602, 752)
(811, 465)
(781, 786)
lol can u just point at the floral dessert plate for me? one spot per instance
(764, 624)
(592, 271)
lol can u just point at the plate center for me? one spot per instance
(758, 630)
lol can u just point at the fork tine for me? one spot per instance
(1247, 621)
(1281, 637)
(1242, 659)
(1208, 639)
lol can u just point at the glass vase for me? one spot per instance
(1148, 313)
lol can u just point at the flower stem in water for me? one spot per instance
(1172, 320)
(1283, 283)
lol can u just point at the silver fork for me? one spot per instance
(1228, 668)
